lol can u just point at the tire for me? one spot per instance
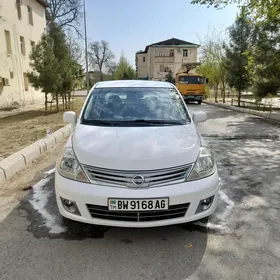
(199, 102)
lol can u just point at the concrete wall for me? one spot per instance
(13, 65)
(142, 65)
(158, 60)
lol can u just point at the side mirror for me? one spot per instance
(70, 117)
(199, 117)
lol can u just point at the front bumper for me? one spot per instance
(188, 192)
(193, 97)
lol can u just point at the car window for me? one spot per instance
(135, 105)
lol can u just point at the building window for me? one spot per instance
(185, 53)
(165, 54)
(12, 75)
(144, 59)
(164, 69)
(22, 45)
(18, 5)
(26, 82)
(8, 41)
(30, 15)
(32, 43)
(5, 82)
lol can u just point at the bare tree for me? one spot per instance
(100, 55)
(65, 13)
(112, 68)
(75, 48)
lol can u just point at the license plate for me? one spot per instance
(137, 204)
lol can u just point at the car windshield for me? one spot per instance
(194, 80)
(135, 106)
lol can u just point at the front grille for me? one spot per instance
(125, 178)
(102, 212)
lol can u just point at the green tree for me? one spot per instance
(210, 69)
(213, 63)
(45, 66)
(236, 53)
(263, 10)
(169, 77)
(55, 71)
(264, 59)
(124, 71)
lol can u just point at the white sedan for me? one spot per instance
(136, 159)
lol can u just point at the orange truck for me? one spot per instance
(190, 85)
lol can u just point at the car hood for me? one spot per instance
(136, 148)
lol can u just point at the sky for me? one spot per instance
(130, 25)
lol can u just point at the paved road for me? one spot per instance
(241, 240)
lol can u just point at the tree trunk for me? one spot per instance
(56, 96)
(65, 100)
(100, 74)
(239, 97)
(69, 98)
(216, 94)
(63, 103)
(46, 102)
(224, 93)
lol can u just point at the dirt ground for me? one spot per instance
(19, 131)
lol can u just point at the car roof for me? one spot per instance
(134, 83)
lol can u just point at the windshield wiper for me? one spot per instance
(99, 122)
(167, 122)
(135, 121)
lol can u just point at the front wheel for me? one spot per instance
(199, 102)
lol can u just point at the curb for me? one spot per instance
(17, 161)
(268, 116)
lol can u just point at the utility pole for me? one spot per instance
(86, 46)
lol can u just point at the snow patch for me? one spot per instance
(230, 205)
(51, 171)
(222, 225)
(254, 202)
(39, 201)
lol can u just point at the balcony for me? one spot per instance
(164, 59)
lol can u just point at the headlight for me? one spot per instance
(69, 167)
(204, 166)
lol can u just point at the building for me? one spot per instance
(158, 59)
(22, 23)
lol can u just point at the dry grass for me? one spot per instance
(19, 131)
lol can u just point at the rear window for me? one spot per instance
(135, 106)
